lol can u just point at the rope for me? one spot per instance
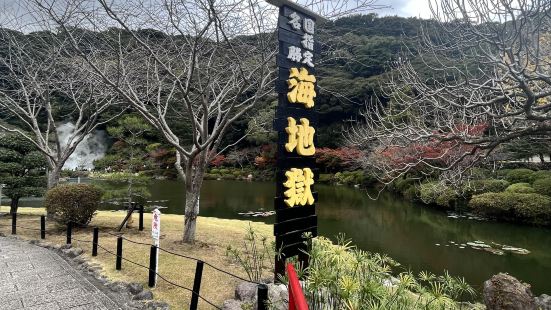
(160, 276)
(129, 240)
(22, 227)
(210, 265)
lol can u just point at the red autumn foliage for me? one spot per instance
(218, 160)
(439, 151)
(334, 160)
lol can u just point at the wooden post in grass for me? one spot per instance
(42, 227)
(196, 285)
(95, 242)
(152, 266)
(118, 265)
(14, 223)
(69, 232)
(141, 219)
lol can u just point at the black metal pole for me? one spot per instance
(42, 227)
(279, 268)
(14, 223)
(95, 242)
(262, 297)
(196, 286)
(152, 266)
(119, 253)
(141, 218)
(69, 232)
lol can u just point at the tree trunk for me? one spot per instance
(191, 213)
(53, 177)
(193, 193)
(542, 158)
(14, 205)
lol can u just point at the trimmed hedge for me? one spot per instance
(520, 176)
(529, 208)
(485, 186)
(543, 186)
(542, 174)
(438, 194)
(76, 203)
(523, 188)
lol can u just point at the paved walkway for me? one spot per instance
(32, 277)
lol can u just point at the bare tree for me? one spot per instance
(202, 62)
(43, 86)
(480, 77)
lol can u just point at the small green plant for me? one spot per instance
(520, 176)
(437, 194)
(523, 188)
(543, 186)
(341, 276)
(475, 187)
(75, 203)
(256, 257)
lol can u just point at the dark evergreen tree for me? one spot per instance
(22, 169)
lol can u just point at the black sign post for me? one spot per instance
(295, 122)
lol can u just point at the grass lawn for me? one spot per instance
(213, 237)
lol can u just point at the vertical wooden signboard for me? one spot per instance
(295, 122)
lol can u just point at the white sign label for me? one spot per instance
(156, 225)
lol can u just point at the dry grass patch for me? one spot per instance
(213, 237)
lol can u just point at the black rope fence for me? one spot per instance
(153, 263)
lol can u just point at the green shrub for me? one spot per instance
(411, 193)
(223, 171)
(481, 173)
(350, 177)
(542, 174)
(485, 186)
(524, 188)
(543, 186)
(214, 170)
(437, 194)
(532, 208)
(401, 185)
(521, 175)
(502, 173)
(447, 198)
(76, 203)
(325, 178)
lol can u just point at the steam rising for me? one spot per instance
(91, 148)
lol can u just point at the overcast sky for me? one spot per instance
(405, 8)
(9, 9)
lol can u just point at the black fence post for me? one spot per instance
(42, 227)
(196, 286)
(141, 219)
(152, 266)
(262, 297)
(14, 223)
(119, 253)
(279, 268)
(95, 242)
(69, 232)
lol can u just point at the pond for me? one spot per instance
(419, 238)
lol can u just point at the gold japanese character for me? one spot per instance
(301, 85)
(299, 182)
(300, 137)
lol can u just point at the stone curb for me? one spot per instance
(136, 297)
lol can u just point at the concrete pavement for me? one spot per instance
(32, 277)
